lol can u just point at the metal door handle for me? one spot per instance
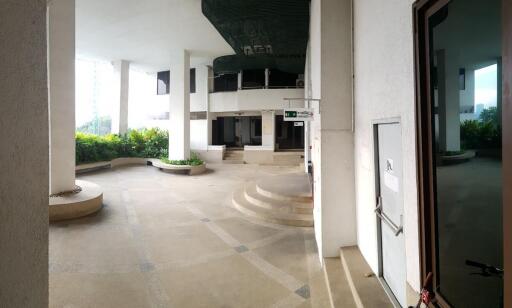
(378, 211)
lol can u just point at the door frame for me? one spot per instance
(380, 274)
(422, 10)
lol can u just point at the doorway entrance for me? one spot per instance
(390, 209)
(236, 131)
(289, 135)
(461, 160)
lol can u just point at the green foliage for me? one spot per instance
(99, 126)
(193, 161)
(489, 115)
(151, 143)
(482, 134)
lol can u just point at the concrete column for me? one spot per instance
(208, 114)
(307, 151)
(448, 102)
(61, 74)
(240, 75)
(120, 104)
(267, 78)
(333, 136)
(179, 118)
(23, 154)
(268, 129)
(307, 94)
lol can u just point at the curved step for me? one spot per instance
(252, 195)
(289, 187)
(273, 216)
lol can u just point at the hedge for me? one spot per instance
(150, 143)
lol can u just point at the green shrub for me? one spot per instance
(151, 143)
(484, 133)
(193, 161)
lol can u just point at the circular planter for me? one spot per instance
(192, 170)
(89, 200)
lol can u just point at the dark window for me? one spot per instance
(225, 82)
(257, 127)
(192, 80)
(163, 82)
(253, 79)
(280, 79)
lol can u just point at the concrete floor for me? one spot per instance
(166, 240)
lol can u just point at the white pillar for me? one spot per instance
(449, 102)
(268, 122)
(120, 104)
(179, 128)
(61, 76)
(333, 136)
(208, 114)
(307, 94)
(267, 78)
(307, 152)
(240, 77)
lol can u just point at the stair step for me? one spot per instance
(252, 195)
(281, 196)
(279, 217)
(233, 161)
(369, 289)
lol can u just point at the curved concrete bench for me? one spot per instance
(192, 170)
(457, 159)
(155, 162)
(89, 200)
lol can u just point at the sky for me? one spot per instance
(486, 89)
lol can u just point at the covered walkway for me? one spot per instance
(166, 240)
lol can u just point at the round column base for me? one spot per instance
(86, 202)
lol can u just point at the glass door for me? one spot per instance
(461, 142)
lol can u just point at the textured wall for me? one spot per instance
(384, 88)
(23, 154)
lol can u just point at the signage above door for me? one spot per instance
(298, 114)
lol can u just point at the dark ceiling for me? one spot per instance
(263, 33)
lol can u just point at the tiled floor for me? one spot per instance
(166, 240)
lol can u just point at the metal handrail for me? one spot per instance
(378, 211)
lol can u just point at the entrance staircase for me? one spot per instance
(233, 157)
(283, 199)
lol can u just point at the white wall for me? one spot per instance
(199, 135)
(384, 88)
(23, 155)
(199, 100)
(258, 99)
